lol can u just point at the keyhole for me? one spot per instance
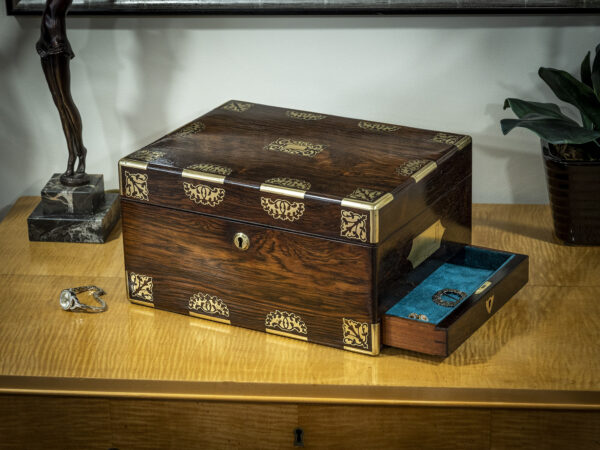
(241, 241)
(298, 437)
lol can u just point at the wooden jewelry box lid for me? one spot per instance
(335, 177)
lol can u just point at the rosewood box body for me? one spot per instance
(305, 225)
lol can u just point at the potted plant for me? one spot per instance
(571, 150)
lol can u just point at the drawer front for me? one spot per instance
(284, 283)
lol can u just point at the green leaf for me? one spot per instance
(522, 108)
(569, 89)
(586, 71)
(555, 131)
(596, 75)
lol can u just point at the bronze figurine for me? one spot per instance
(56, 54)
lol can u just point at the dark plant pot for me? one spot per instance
(574, 188)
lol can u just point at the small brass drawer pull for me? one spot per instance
(241, 241)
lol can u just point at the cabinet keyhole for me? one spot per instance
(241, 241)
(298, 437)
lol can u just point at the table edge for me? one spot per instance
(300, 393)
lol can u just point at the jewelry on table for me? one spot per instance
(451, 293)
(416, 316)
(70, 302)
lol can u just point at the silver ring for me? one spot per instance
(455, 294)
(69, 301)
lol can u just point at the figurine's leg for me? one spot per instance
(57, 72)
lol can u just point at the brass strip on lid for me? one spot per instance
(125, 162)
(368, 206)
(462, 143)
(203, 176)
(282, 190)
(423, 172)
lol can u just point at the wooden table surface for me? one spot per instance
(540, 351)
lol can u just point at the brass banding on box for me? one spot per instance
(141, 302)
(203, 176)
(462, 143)
(282, 190)
(207, 317)
(134, 164)
(422, 173)
(288, 335)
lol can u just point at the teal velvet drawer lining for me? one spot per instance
(465, 272)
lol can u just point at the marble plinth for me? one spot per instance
(58, 199)
(91, 228)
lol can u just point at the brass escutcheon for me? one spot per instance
(241, 241)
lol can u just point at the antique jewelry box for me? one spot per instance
(336, 231)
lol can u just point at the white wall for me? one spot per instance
(135, 79)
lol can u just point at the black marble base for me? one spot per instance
(92, 228)
(58, 199)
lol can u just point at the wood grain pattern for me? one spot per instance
(64, 423)
(321, 281)
(529, 346)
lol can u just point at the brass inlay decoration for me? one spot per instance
(458, 141)
(204, 195)
(295, 147)
(237, 106)
(353, 225)
(301, 115)
(190, 128)
(282, 209)
(483, 287)
(136, 185)
(140, 287)
(410, 167)
(147, 155)
(368, 195)
(356, 333)
(285, 321)
(209, 304)
(215, 169)
(373, 208)
(375, 343)
(489, 303)
(426, 244)
(374, 126)
(293, 183)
